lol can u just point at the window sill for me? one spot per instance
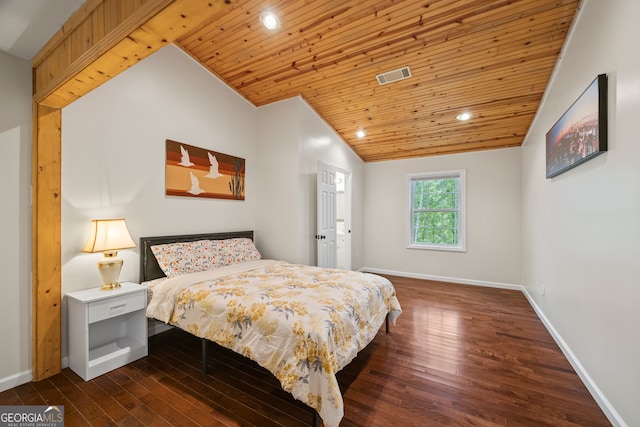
(458, 248)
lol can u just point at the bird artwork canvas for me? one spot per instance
(198, 172)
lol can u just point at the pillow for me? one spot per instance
(218, 252)
(240, 250)
(180, 258)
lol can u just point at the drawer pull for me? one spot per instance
(116, 306)
(117, 309)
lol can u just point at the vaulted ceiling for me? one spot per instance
(492, 59)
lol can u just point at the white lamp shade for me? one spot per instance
(108, 235)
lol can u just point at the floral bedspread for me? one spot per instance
(301, 323)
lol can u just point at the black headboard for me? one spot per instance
(149, 268)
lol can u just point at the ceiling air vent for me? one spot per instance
(394, 76)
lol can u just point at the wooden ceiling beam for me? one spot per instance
(155, 24)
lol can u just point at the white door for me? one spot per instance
(326, 229)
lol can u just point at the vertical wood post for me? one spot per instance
(46, 251)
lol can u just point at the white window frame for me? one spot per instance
(462, 210)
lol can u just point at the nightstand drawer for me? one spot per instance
(116, 306)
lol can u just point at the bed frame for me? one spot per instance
(149, 270)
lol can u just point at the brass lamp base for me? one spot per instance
(109, 268)
(110, 286)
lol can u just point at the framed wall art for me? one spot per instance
(198, 172)
(581, 133)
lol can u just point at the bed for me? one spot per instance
(302, 323)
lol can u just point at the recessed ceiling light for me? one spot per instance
(463, 116)
(360, 133)
(270, 20)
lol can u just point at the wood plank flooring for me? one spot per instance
(458, 356)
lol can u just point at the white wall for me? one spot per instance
(277, 169)
(292, 141)
(581, 229)
(15, 220)
(493, 219)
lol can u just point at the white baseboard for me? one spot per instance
(15, 380)
(445, 279)
(595, 391)
(154, 327)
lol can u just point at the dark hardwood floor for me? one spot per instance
(458, 356)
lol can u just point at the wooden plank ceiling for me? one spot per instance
(490, 58)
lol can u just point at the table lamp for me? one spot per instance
(108, 236)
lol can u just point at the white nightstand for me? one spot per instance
(107, 329)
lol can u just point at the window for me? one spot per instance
(437, 210)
